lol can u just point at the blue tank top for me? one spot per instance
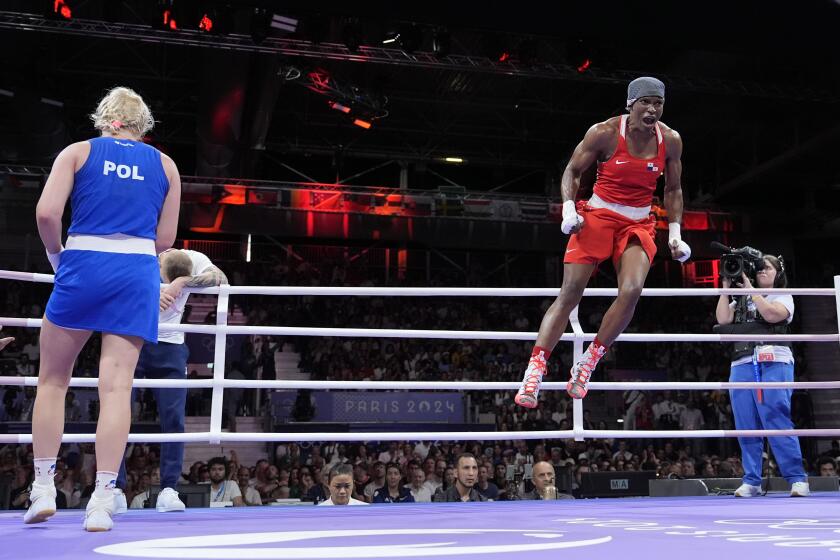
(120, 189)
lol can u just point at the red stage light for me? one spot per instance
(169, 20)
(206, 24)
(61, 8)
(505, 56)
(584, 66)
(361, 123)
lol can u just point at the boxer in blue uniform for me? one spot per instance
(125, 198)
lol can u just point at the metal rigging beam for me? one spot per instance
(396, 57)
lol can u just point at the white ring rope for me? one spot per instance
(32, 381)
(459, 292)
(228, 437)
(457, 335)
(218, 383)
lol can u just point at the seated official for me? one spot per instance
(222, 489)
(543, 478)
(466, 476)
(393, 492)
(341, 487)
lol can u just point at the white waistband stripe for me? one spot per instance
(116, 243)
(632, 212)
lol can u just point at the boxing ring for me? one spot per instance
(774, 526)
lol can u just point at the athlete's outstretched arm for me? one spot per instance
(586, 153)
(673, 177)
(673, 196)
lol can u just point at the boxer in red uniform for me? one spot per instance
(631, 151)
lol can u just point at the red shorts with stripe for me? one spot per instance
(606, 234)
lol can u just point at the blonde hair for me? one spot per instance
(176, 264)
(121, 108)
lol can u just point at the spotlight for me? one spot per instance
(263, 22)
(206, 23)
(495, 48)
(391, 37)
(580, 55)
(61, 9)
(283, 24)
(339, 107)
(169, 21)
(584, 66)
(410, 38)
(216, 19)
(164, 15)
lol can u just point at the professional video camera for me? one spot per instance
(735, 262)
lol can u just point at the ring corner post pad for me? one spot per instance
(219, 365)
(837, 301)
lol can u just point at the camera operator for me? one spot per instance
(762, 409)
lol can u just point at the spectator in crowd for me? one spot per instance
(394, 492)
(623, 453)
(376, 482)
(304, 483)
(223, 490)
(19, 495)
(319, 491)
(580, 470)
(418, 487)
(144, 489)
(485, 486)
(72, 409)
(361, 480)
(249, 494)
(25, 368)
(463, 490)
(341, 488)
(826, 466)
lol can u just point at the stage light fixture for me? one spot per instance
(62, 9)
(339, 107)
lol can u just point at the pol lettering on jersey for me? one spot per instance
(123, 171)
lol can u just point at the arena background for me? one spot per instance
(412, 145)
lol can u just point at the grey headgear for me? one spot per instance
(644, 87)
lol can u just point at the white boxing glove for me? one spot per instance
(54, 259)
(571, 219)
(675, 242)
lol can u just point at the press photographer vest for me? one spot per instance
(749, 321)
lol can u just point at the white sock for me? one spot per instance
(105, 483)
(45, 470)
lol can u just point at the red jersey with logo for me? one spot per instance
(627, 180)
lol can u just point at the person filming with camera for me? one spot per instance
(755, 361)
